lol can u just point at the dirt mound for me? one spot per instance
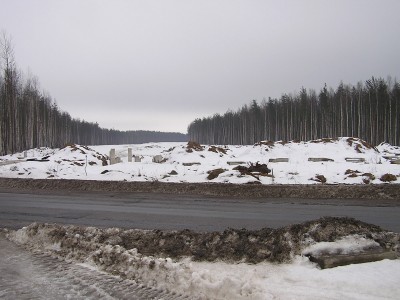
(232, 245)
(388, 177)
(191, 145)
(254, 170)
(319, 178)
(212, 174)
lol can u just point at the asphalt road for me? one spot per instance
(166, 211)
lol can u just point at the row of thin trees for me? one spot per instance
(30, 118)
(368, 110)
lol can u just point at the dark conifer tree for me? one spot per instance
(369, 111)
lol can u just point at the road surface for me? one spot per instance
(26, 275)
(166, 211)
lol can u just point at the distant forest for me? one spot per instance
(30, 118)
(368, 110)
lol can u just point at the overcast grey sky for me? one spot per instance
(157, 65)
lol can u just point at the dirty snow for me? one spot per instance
(298, 279)
(81, 162)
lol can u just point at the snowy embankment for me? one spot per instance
(331, 161)
(216, 265)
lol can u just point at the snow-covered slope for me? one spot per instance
(184, 162)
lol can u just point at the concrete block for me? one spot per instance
(129, 154)
(395, 161)
(279, 159)
(389, 157)
(137, 158)
(234, 163)
(336, 260)
(319, 159)
(158, 159)
(355, 159)
(112, 156)
(188, 164)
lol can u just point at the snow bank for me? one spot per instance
(184, 163)
(228, 276)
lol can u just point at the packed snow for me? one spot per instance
(181, 162)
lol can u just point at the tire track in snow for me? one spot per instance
(26, 275)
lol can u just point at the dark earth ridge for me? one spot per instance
(312, 191)
(232, 245)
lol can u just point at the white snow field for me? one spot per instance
(181, 164)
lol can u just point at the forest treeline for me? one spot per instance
(368, 110)
(30, 118)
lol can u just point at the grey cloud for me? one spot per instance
(176, 60)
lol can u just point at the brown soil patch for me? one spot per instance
(191, 145)
(214, 173)
(388, 177)
(216, 149)
(375, 192)
(319, 178)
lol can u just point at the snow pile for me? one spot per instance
(318, 161)
(153, 257)
(346, 245)
(388, 149)
(69, 162)
(31, 153)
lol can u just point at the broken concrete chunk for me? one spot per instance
(188, 164)
(319, 159)
(279, 159)
(234, 163)
(336, 260)
(158, 159)
(355, 159)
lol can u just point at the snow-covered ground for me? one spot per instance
(296, 279)
(183, 164)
